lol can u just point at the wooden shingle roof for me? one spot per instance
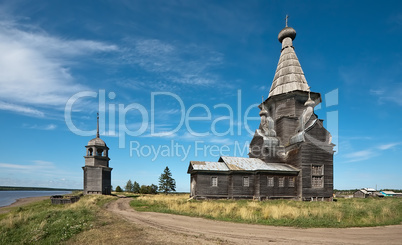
(227, 164)
(289, 75)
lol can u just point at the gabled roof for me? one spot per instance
(363, 191)
(227, 164)
(289, 75)
(254, 164)
(214, 166)
(388, 192)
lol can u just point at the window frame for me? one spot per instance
(314, 182)
(269, 182)
(291, 181)
(214, 184)
(281, 182)
(317, 176)
(244, 181)
(317, 169)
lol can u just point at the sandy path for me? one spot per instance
(22, 202)
(236, 233)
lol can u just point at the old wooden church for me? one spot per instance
(291, 154)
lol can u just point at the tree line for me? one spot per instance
(166, 184)
(136, 188)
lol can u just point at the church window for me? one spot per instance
(214, 181)
(270, 181)
(281, 182)
(246, 181)
(99, 152)
(317, 181)
(291, 181)
(317, 176)
(317, 170)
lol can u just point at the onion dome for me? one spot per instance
(96, 142)
(309, 102)
(287, 32)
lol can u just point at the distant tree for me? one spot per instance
(148, 189)
(118, 189)
(136, 187)
(129, 186)
(166, 182)
(144, 189)
(153, 189)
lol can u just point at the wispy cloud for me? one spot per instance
(377, 91)
(388, 146)
(355, 137)
(35, 165)
(180, 64)
(41, 127)
(21, 109)
(393, 95)
(35, 67)
(262, 88)
(369, 153)
(50, 127)
(361, 155)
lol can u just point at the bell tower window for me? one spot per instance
(99, 152)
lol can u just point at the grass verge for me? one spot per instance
(44, 223)
(344, 213)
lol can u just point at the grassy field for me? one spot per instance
(83, 222)
(86, 222)
(343, 213)
(44, 223)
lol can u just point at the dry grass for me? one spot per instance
(344, 213)
(83, 222)
(44, 223)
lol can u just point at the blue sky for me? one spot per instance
(169, 60)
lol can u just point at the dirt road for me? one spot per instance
(236, 233)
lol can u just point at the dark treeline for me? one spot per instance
(166, 185)
(134, 187)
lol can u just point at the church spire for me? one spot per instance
(289, 75)
(97, 125)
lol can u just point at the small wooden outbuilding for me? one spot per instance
(361, 194)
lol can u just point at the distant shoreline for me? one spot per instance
(20, 188)
(22, 202)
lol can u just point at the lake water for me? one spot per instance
(9, 197)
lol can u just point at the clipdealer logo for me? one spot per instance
(147, 121)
